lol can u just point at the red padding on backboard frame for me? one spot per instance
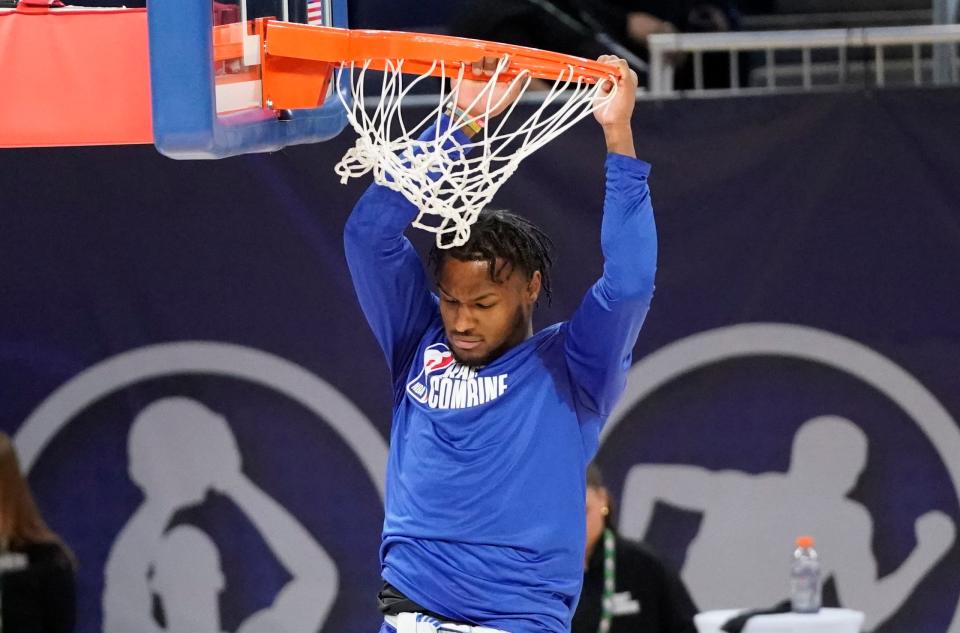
(74, 77)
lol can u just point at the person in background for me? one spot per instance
(37, 586)
(639, 594)
(571, 27)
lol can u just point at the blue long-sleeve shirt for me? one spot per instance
(485, 516)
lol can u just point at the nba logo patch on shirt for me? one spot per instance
(445, 384)
(436, 358)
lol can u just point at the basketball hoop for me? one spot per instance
(449, 181)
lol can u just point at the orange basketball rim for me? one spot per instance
(298, 59)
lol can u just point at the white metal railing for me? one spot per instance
(665, 47)
(836, 19)
(944, 12)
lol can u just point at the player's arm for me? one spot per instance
(604, 328)
(388, 276)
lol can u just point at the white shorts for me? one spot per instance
(419, 623)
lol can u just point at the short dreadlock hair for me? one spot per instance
(518, 242)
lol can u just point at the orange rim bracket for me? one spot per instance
(290, 81)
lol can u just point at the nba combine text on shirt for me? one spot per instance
(446, 384)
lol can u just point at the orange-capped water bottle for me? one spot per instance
(805, 577)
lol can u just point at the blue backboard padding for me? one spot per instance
(185, 120)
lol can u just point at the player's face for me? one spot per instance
(484, 318)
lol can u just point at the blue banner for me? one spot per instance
(204, 414)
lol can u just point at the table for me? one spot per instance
(825, 621)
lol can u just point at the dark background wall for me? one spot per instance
(835, 212)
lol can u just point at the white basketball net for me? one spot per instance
(450, 183)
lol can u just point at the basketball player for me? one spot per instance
(493, 424)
